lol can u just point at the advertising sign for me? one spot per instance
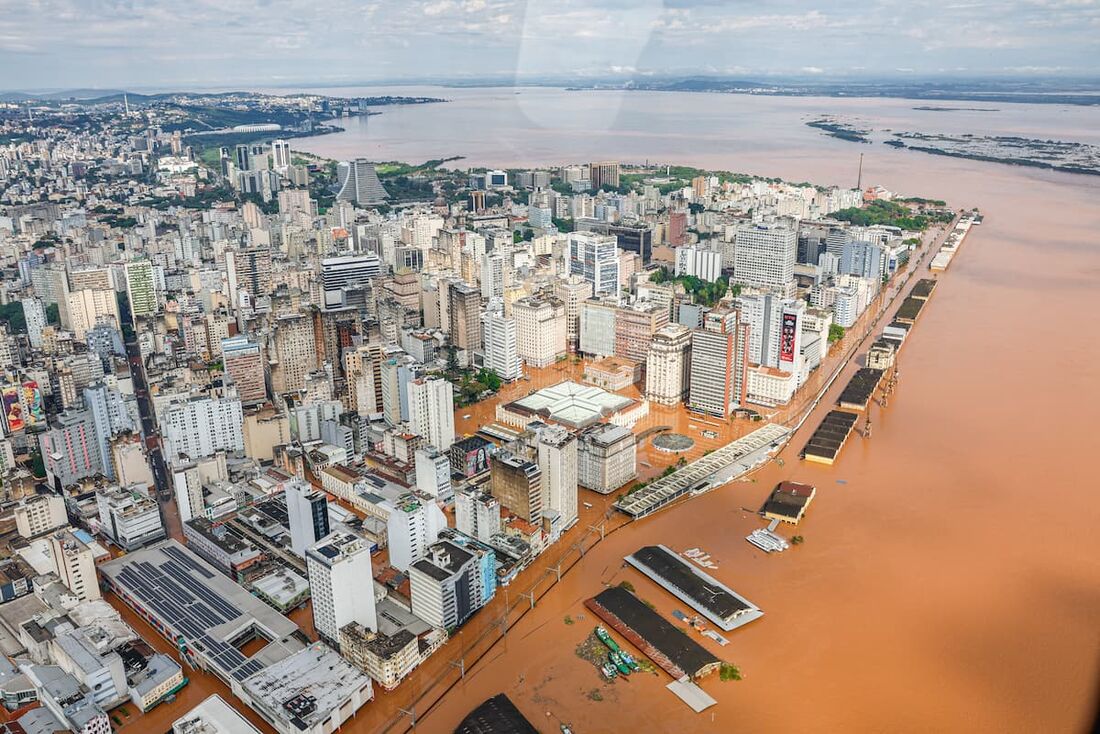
(477, 461)
(787, 337)
(13, 408)
(34, 411)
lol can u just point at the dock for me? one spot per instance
(661, 641)
(705, 594)
(910, 310)
(829, 438)
(857, 393)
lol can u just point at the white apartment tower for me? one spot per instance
(341, 583)
(667, 365)
(432, 411)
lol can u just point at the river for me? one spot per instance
(950, 576)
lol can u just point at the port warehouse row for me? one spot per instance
(829, 438)
(699, 475)
(951, 245)
(708, 596)
(661, 641)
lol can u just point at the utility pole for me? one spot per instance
(859, 177)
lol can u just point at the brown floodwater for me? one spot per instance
(950, 575)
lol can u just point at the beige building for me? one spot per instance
(263, 431)
(667, 365)
(540, 330)
(295, 353)
(572, 291)
(88, 306)
(75, 565)
(385, 658)
(39, 514)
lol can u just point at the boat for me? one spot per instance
(617, 660)
(609, 671)
(629, 660)
(607, 639)
(565, 729)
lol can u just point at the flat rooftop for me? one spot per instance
(213, 716)
(716, 601)
(827, 440)
(789, 500)
(857, 393)
(192, 600)
(923, 289)
(910, 309)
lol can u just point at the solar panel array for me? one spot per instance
(188, 607)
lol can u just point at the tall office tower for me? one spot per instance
(111, 414)
(90, 307)
(464, 303)
(341, 273)
(280, 155)
(203, 426)
(572, 291)
(432, 411)
(433, 472)
(34, 313)
(604, 173)
(541, 327)
(557, 456)
(596, 259)
(597, 330)
(517, 483)
(307, 514)
(341, 583)
(243, 362)
(398, 370)
(477, 514)
(495, 271)
(863, 259)
(677, 228)
(75, 565)
(141, 288)
(451, 583)
(363, 371)
(764, 256)
(719, 360)
(243, 157)
(668, 364)
(412, 526)
(635, 326)
(250, 271)
(69, 449)
(295, 353)
(499, 337)
(358, 182)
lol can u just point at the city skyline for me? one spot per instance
(253, 42)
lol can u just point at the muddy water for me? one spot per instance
(950, 576)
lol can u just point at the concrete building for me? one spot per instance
(129, 518)
(243, 363)
(39, 514)
(341, 584)
(464, 303)
(501, 348)
(432, 411)
(719, 360)
(557, 459)
(765, 255)
(339, 275)
(541, 328)
(451, 583)
(596, 259)
(90, 307)
(307, 514)
(34, 314)
(668, 365)
(75, 565)
(141, 288)
(294, 354)
(606, 458)
(70, 449)
(213, 716)
(699, 263)
(477, 514)
(518, 484)
(358, 183)
(433, 473)
(202, 426)
(572, 291)
(413, 525)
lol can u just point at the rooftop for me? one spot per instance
(571, 404)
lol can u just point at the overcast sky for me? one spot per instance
(113, 43)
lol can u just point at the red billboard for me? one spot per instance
(788, 336)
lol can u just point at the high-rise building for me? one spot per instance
(358, 183)
(635, 326)
(557, 457)
(719, 359)
(668, 364)
(34, 313)
(604, 173)
(341, 583)
(244, 364)
(70, 448)
(75, 565)
(541, 327)
(280, 155)
(432, 411)
(413, 525)
(572, 291)
(307, 514)
(202, 426)
(295, 355)
(141, 288)
(500, 344)
(90, 307)
(477, 514)
(765, 255)
(596, 259)
(433, 472)
(517, 483)
(606, 457)
(698, 262)
(451, 583)
(38, 514)
(338, 274)
(248, 271)
(112, 415)
(464, 303)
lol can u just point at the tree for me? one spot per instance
(452, 359)
(836, 333)
(12, 315)
(490, 379)
(53, 314)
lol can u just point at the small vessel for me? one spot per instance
(617, 660)
(565, 729)
(607, 639)
(629, 660)
(609, 671)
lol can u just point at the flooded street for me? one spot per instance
(950, 575)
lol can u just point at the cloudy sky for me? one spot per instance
(157, 43)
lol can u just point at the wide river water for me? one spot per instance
(950, 577)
